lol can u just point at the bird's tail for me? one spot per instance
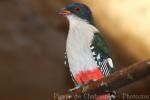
(107, 96)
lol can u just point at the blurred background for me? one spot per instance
(32, 44)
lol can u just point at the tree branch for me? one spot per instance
(115, 81)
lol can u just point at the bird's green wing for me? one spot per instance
(100, 45)
(101, 54)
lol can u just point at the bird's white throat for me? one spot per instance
(79, 39)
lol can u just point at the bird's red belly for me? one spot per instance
(88, 75)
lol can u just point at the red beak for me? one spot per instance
(64, 12)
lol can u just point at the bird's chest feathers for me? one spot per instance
(78, 47)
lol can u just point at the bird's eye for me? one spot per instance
(77, 9)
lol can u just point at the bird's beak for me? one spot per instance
(64, 12)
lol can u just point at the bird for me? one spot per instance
(87, 54)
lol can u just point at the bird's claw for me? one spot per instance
(75, 88)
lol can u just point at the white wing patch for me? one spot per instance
(93, 53)
(110, 62)
(104, 62)
(98, 57)
(92, 47)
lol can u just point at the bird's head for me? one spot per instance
(79, 10)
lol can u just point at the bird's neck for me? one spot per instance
(75, 21)
(81, 28)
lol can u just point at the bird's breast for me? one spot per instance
(78, 51)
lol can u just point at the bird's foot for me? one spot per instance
(75, 88)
